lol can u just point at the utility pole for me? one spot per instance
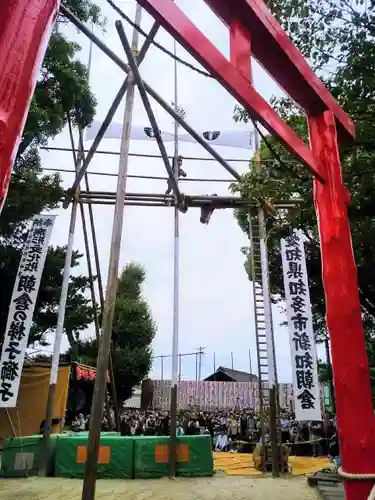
(250, 365)
(199, 355)
(232, 362)
(180, 356)
(89, 483)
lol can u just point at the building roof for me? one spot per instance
(232, 375)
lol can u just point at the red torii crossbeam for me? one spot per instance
(254, 31)
(24, 26)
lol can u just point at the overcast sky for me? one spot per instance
(216, 307)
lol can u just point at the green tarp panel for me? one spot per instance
(149, 457)
(200, 459)
(194, 456)
(21, 456)
(115, 458)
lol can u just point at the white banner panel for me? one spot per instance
(241, 139)
(301, 335)
(114, 131)
(212, 396)
(21, 308)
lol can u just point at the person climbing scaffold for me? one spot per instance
(180, 172)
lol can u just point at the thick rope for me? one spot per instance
(360, 477)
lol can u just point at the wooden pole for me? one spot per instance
(89, 483)
(176, 292)
(275, 450)
(329, 368)
(77, 155)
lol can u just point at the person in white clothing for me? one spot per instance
(222, 442)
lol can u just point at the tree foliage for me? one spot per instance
(132, 334)
(62, 91)
(337, 36)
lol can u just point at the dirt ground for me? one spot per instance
(217, 488)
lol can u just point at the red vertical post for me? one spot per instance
(25, 27)
(240, 49)
(355, 414)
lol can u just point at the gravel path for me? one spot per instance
(217, 488)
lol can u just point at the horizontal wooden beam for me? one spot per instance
(170, 16)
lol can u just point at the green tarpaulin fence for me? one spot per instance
(119, 457)
(194, 456)
(200, 461)
(21, 455)
(115, 456)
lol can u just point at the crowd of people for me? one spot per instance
(230, 431)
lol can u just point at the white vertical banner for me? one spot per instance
(301, 335)
(22, 307)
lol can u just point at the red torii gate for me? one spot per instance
(24, 28)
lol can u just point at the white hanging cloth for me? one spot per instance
(241, 139)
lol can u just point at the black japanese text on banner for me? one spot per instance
(21, 308)
(301, 334)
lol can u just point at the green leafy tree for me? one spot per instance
(62, 92)
(337, 36)
(132, 334)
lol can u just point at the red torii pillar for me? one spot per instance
(355, 413)
(25, 28)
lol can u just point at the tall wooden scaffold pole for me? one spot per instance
(89, 483)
